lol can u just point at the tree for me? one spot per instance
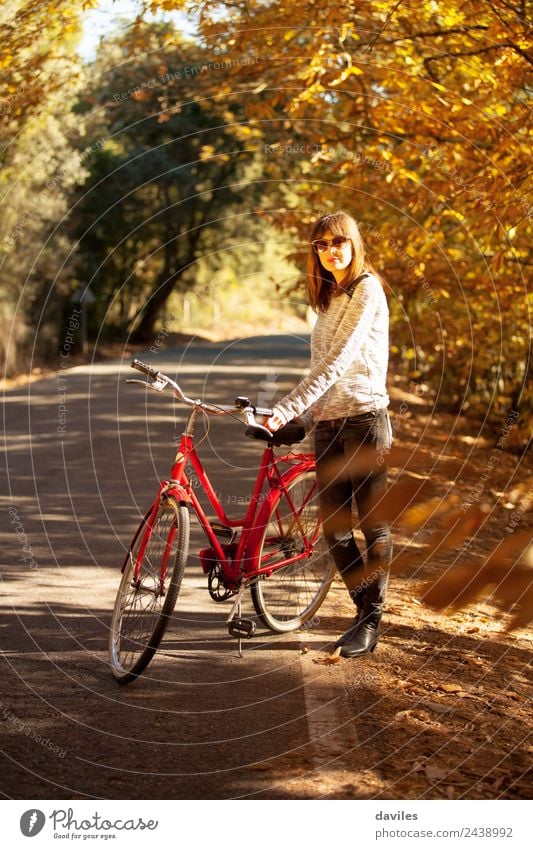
(165, 169)
(38, 164)
(415, 118)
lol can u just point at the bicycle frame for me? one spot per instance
(180, 487)
(239, 564)
(236, 561)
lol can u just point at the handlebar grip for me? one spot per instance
(148, 370)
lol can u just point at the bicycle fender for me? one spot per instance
(173, 488)
(177, 491)
(308, 465)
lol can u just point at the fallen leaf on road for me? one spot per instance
(401, 713)
(450, 688)
(335, 657)
(436, 707)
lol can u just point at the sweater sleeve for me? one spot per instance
(351, 333)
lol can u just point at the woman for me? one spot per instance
(345, 392)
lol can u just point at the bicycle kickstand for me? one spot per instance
(237, 626)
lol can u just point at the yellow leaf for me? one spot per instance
(206, 151)
(449, 688)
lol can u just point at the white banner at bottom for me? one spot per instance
(267, 824)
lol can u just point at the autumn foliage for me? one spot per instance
(414, 116)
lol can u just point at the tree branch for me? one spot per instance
(478, 52)
(440, 33)
(370, 46)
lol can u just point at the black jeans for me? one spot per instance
(351, 463)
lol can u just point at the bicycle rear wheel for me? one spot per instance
(143, 605)
(292, 594)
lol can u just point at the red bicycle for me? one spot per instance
(275, 549)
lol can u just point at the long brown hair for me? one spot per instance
(321, 284)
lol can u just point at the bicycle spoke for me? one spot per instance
(302, 568)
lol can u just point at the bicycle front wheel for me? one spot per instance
(294, 591)
(144, 603)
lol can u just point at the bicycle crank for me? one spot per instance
(216, 586)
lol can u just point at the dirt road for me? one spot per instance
(84, 453)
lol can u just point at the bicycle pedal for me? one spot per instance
(242, 628)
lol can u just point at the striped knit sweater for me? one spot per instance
(349, 358)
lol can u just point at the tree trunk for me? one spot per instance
(144, 332)
(170, 274)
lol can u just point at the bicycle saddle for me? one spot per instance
(286, 435)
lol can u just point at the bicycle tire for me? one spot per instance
(292, 594)
(141, 612)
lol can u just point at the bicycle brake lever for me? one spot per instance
(158, 384)
(249, 415)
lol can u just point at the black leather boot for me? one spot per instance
(364, 637)
(352, 630)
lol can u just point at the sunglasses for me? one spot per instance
(321, 245)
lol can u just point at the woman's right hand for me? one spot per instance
(273, 423)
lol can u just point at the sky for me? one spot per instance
(98, 22)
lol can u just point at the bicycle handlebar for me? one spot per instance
(148, 370)
(242, 405)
